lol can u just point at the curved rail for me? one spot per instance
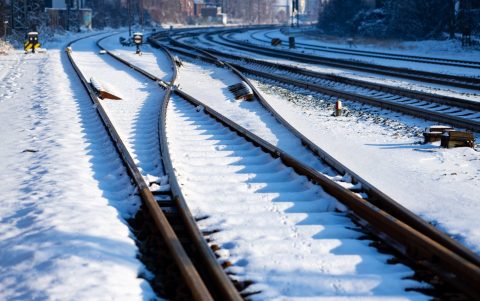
(446, 100)
(220, 286)
(417, 75)
(428, 114)
(377, 54)
(418, 240)
(187, 269)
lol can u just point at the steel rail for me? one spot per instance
(414, 245)
(417, 75)
(441, 99)
(218, 283)
(407, 109)
(378, 54)
(402, 108)
(190, 275)
(443, 248)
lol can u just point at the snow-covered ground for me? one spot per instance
(264, 37)
(276, 228)
(364, 76)
(223, 181)
(135, 116)
(65, 194)
(441, 185)
(424, 178)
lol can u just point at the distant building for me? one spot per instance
(74, 17)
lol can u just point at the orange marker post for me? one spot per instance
(338, 108)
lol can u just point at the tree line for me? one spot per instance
(405, 19)
(117, 13)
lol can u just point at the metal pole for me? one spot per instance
(129, 19)
(5, 23)
(68, 14)
(290, 12)
(258, 11)
(78, 15)
(298, 12)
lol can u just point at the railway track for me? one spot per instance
(391, 220)
(461, 271)
(224, 38)
(454, 111)
(165, 221)
(372, 54)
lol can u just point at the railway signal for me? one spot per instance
(138, 40)
(276, 42)
(32, 42)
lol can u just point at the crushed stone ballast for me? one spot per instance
(172, 235)
(374, 195)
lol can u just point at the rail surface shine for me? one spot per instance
(267, 37)
(224, 38)
(454, 111)
(452, 251)
(161, 202)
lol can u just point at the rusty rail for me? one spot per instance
(382, 55)
(210, 271)
(406, 232)
(412, 74)
(446, 100)
(402, 108)
(190, 275)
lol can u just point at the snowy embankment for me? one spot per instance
(65, 194)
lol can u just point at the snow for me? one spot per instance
(266, 35)
(441, 185)
(65, 194)
(408, 172)
(386, 80)
(157, 65)
(299, 248)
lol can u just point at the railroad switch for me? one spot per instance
(31, 42)
(276, 42)
(102, 92)
(178, 61)
(241, 91)
(448, 136)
